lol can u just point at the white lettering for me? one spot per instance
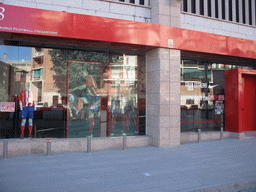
(1, 13)
(203, 85)
(195, 84)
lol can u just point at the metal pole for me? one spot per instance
(5, 150)
(89, 144)
(199, 135)
(124, 141)
(221, 133)
(48, 147)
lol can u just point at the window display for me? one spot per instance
(77, 93)
(123, 98)
(84, 96)
(27, 106)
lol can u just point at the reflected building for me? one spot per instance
(43, 78)
(14, 77)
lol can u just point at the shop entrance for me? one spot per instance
(249, 108)
(240, 94)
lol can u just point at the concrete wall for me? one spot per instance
(220, 27)
(89, 7)
(39, 146)
(165, 12)
(33, 146)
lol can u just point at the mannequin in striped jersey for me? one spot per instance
(27, 106)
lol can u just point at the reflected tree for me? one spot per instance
(60, 58)
(3, 94)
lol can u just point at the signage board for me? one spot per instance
(23, 20)
(7, 106)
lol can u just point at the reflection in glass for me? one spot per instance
(84, 98)
(78, 93)
(198, 109)
(123, 99)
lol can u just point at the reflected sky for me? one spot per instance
(15, 53)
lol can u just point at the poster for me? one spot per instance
(219, 107)
(7, 106)
(213, 97)
(84, 87)
(221, 97)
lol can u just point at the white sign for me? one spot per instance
(199, 84)
(170, 43)
(196, 84)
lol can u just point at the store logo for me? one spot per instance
(198, 84)
(2, 10)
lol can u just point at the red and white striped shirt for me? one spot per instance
(27, 98)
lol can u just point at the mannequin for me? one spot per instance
(27, 107)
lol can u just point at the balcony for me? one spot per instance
(37, 54)
(37, 74)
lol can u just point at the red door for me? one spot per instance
(249, 109)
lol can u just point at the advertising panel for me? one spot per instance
(7, 106)
(24, 20)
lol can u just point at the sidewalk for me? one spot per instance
(228, 165)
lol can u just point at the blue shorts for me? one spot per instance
(27, 112)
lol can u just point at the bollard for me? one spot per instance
(199, 135)
(5, 150)
(221, 133)
(89, 144)
(48, 147)
(124, 141)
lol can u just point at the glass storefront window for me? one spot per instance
(76, 93)
(123, 95)
(203, 95)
